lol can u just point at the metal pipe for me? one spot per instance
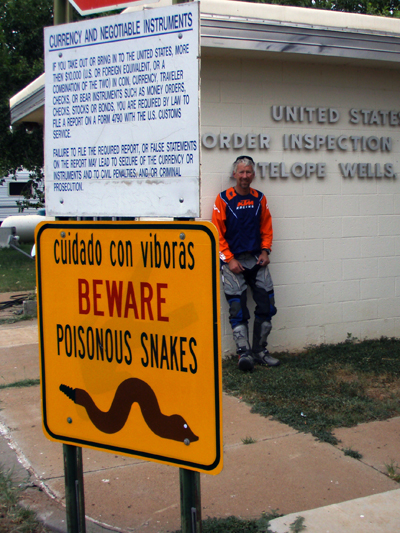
(190, 501)
(74, 491)
(62, 12)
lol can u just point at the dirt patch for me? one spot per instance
(382, 387)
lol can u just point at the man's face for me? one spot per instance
(244, 175)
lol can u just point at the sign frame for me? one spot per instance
(216, 465)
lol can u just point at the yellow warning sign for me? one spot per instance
(129, 339)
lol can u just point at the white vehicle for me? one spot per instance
(12, 191)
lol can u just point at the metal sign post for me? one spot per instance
(135, 323)
(74, 491)
(122, 138)
(190, 501)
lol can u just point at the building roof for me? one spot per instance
(243, 29)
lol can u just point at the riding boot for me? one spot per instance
(260, 353)
(241, 338)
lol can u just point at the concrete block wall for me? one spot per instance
(335, 260)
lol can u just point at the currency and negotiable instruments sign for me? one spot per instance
(122, 115)
(129, 339)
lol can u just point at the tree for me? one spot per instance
(21, 61)
(387, 8)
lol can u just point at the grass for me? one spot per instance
(324, 387)
(233, 524)
(352, 453)
(392, 470)
(298, 525)
(20, 384)
(249, 440)
(15, 318)
(17, 272)
(13, 517)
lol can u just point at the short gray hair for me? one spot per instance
(245, 160)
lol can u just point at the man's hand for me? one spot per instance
(235, 266)
(263, 259)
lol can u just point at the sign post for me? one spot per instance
(122, 139)
(190, 501)
(74, 491)
(129, 341)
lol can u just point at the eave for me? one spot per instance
(271, 32)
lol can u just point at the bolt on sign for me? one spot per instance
(129, 339)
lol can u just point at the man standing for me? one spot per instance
(244, 224)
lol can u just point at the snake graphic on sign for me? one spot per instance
(132, 390)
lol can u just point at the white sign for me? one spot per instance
(122, 115)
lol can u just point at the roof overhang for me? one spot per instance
(28, 104)
(243, 29)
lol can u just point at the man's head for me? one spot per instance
(243, 173)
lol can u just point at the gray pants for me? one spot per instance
(235, 286)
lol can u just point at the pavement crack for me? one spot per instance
(263, 439)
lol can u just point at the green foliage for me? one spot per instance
(233, 524)
(324, 387)
(352, 453)
(20, 384)
(298, 525)
(386, 8)
(392, 470)
(17, 272)
(248, 440)
(21, 61)
(14, 517)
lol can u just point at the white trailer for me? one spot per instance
(12, 191)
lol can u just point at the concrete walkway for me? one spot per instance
(283, 470)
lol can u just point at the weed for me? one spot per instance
(233, 524)
(14, 517)
(298, 525)
(392, 471)
(14, 319)
(352, 453)
(263, 522)
(350, 338)
(248, 440)
(22, 383)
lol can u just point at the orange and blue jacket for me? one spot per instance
(244, 223)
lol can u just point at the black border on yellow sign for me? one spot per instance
(195, 226)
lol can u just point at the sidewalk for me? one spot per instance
(283, 470)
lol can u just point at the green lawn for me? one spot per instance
(17, 272)
(324, 387)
